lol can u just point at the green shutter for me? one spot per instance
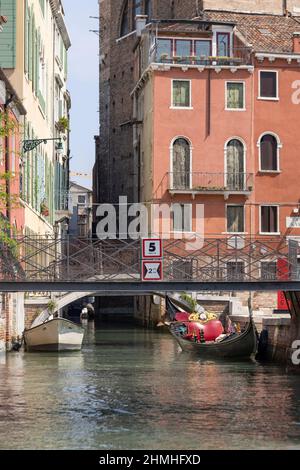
(30, 45)
(65, 62)
(8, 35)
(61, 51)
(37, 60)
(42, 3)
(26, 27)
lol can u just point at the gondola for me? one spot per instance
(237, 345)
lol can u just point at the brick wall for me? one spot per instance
(260, 301)
(114, 169)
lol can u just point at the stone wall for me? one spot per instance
(148, 310)
(11, 320)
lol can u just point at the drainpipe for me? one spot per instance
(284, 8)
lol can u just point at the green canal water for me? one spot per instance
(133, 389)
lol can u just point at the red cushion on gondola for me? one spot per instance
(212, 330)
(182, 316)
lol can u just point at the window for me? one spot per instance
(269, 219)
(268, 270)
(235, 270)
(181, 164)
(235, 219)
(136, 10)
(235, 95)
(268, 85)
(81, 199)
(202, 49)
(269, 153)
(148, 9)
(164, 49)
(181, 94)
(235, 177)
(182, 218)
(125, 22)
(223, 44)
(183, 48)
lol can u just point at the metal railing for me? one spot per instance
(226, 259)
(239, 56)
(214, 182)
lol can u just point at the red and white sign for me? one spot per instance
(152, 248)
(152, 270)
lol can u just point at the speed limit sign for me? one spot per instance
(152, 248)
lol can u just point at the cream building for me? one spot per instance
(35, 61)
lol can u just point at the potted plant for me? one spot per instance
(63, 124)
(52, 307)
(44, 209)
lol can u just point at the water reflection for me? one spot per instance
(134, 389)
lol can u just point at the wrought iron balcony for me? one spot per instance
(240, 56)
(213, 183)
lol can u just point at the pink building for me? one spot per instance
(11, 110)
(217, 121)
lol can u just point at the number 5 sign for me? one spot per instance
(152, 248)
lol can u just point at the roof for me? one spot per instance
(266, 33)
(81, 188)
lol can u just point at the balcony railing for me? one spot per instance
(240, 56)
(211, 182)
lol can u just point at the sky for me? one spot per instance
(83, 84)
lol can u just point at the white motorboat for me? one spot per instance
(57, 334)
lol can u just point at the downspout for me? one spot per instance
(284, 8)
(208, 106)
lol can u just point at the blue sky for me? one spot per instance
(83, 83)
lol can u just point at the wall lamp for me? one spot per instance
(31, 144)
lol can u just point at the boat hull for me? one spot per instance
(239, 346)
(55, 335)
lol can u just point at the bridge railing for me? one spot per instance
(217, 259)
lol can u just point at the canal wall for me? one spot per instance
(278, 339)
(11, 320)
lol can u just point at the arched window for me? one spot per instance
(181, 164)
(269, 153)
(235, 155)
(125, 21)
(148, 9)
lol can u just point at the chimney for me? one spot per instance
(296, 42)
(140, 22)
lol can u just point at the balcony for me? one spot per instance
(239, 56)
(210, 183)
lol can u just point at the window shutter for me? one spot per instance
(187, 217)
(26, 28)
(66, 62)
(30, 45)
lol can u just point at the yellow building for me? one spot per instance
(33, 55)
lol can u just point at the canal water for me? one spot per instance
(133, 389)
